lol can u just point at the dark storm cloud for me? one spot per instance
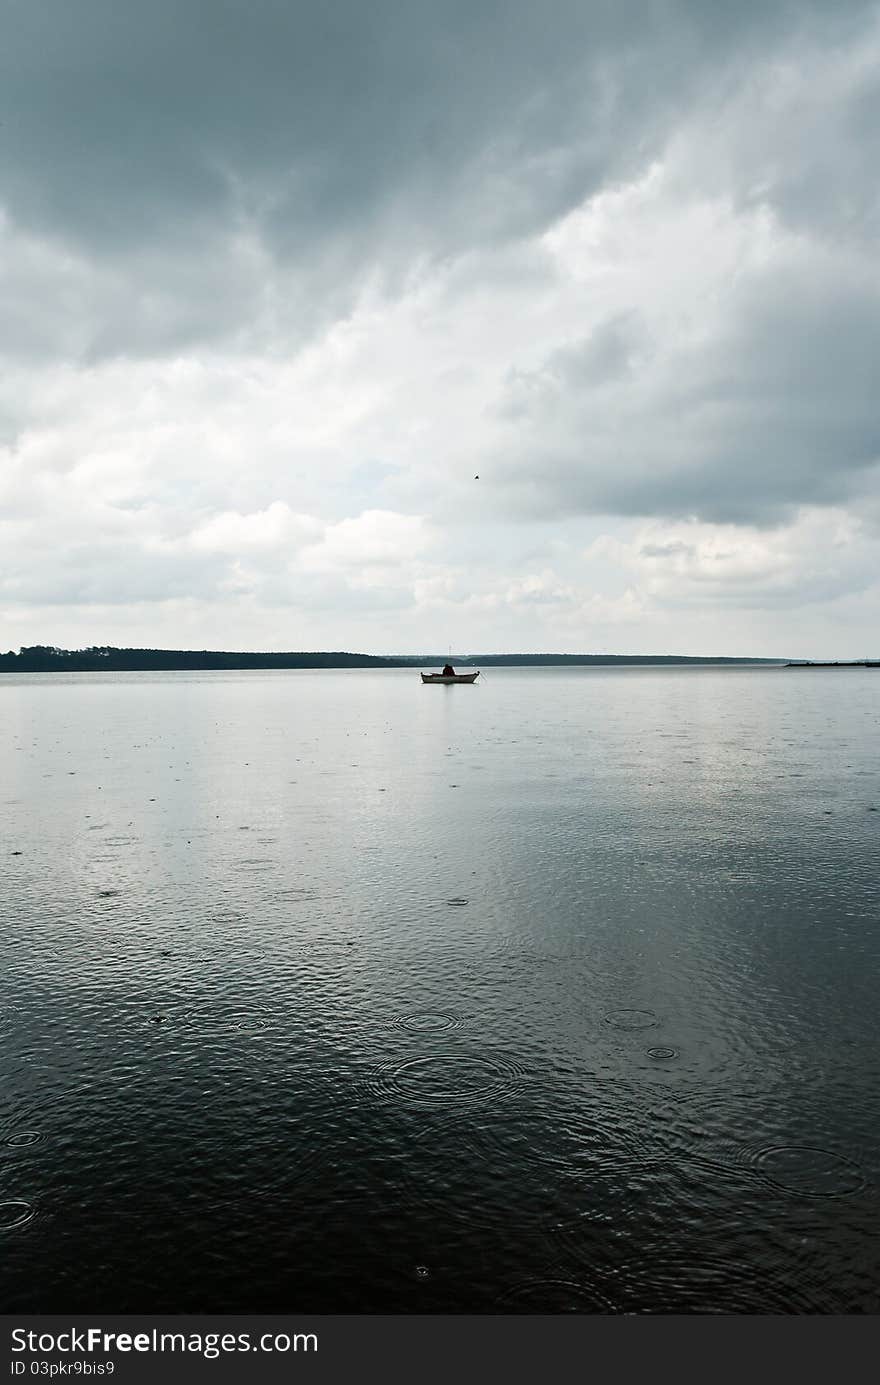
(170, 128)
(142, 122)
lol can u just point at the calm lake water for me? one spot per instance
(327, 991)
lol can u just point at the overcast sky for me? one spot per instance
(280, 279)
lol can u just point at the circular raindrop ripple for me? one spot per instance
(525, 1168)
(429, 1022)
(182, 1019)
(14, 1213)
(661, 1053)
(668, 1232)
(448, 1079)
(809, 1171)
(555, 1296)
(24, 1139)
(631, 1019)
(210, 1023)
(250, 1023)
(313, 947)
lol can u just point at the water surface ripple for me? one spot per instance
(332, 990)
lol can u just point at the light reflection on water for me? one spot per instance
(556, 994)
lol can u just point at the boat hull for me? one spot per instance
(450, 678)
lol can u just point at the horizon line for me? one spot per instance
(100, 650)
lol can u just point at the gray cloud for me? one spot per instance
(222, 167)
(108, 573)
(304, 117)
(777, 411)
(608, 354)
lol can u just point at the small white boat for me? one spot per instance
(450, 677)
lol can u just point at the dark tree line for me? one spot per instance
(42, 658)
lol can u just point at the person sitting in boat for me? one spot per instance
(448, 671)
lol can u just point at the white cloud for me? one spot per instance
(375, 542)
(276, 527)
(823, 556)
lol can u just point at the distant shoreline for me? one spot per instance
(833, 663)
(46, 659)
